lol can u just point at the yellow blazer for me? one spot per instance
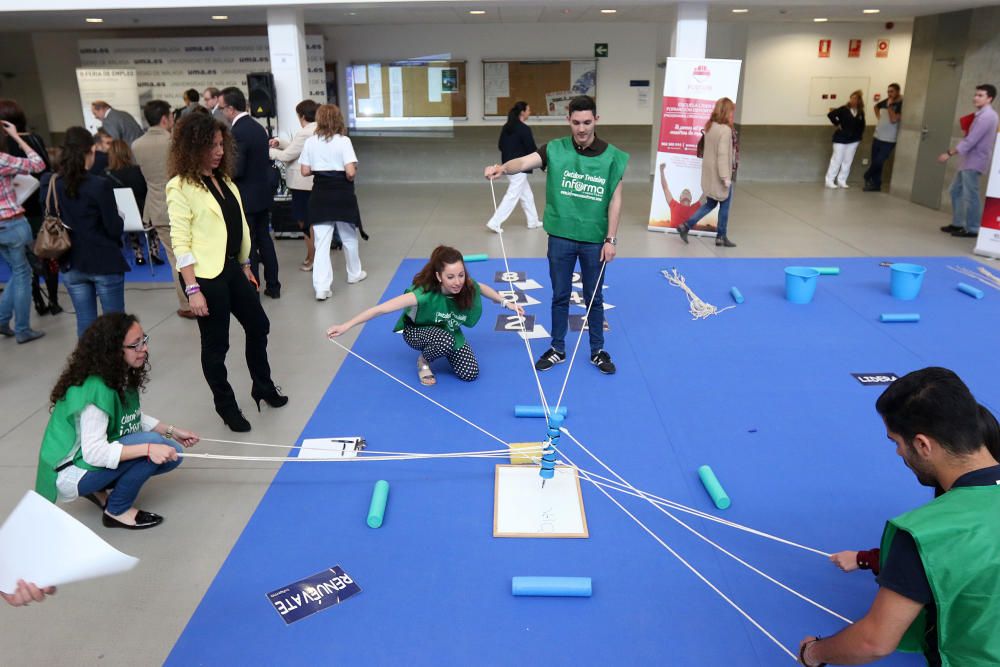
(197, 228)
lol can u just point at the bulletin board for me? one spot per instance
(546, 85)
(408, 89)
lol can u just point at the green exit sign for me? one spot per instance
(601, 50)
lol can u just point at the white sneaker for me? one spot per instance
(534, 225)
(323, 296)
(843, 185)
(831, 185)
(361, 276)
(495, 228)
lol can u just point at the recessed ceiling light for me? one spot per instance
(870, 11)
(609, 11)
(820, 20)
(740, 11)
(352, 13)
(220, 17)
(477, 12)
(94, 20)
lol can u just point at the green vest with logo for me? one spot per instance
(958, 537)
(578, 190)
(436, 309)
(61, 436)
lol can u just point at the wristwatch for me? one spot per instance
(611, 239)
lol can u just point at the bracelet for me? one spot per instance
(805, 649)
(193, 288)
(169, 435)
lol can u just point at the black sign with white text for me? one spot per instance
(515, 323)
(875, 378)
(312, 594)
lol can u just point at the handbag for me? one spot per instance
(700, 150)
(53, 238)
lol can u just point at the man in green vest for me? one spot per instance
(939, 583)
(583, 192)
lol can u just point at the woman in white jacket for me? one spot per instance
(300, 186)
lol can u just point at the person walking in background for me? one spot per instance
(516, 140)
(718, 170)
(15, 236)
(152, 150)
(329, 157)
(850, 123)
(298, 185)
(119, 124)
(212, 242)
(252, 175)
(94, 266)
(975, 149)
(887, 114)
(125, 173)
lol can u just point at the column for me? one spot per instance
(692, 30)
(287, 44)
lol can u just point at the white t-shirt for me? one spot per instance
(333, 154)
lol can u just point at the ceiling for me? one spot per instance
(65, 15)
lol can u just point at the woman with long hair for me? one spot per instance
(516, 140)
(99, 444)
(328, 156)
(441, 300)
(212, 243)
(299, 186)
(125, 173)
(94, 268)
(718, 171)
(850, 123)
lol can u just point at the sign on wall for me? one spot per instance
(882, 48)
(165, 68)
(690, 89)
(824, 48)
(117, 87)
(854, 48)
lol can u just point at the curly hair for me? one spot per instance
(192, 140)
(427, 278)
(99, 352)
(72, 167)
(329, 122)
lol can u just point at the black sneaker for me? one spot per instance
(549, 359)
(603, 362)
(682, 231)
(948, 229)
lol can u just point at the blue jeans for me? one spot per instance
(706, 209)
(86, 288)
(15, 237)
(127, 479)
(563, 255)
(881, 150)
(965, 209)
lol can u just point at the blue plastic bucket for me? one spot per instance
(905, 280)
(800, 283)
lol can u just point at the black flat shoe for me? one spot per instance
(724, 241)
(55, 309)
(273, 292)
(142, 520)
(274, 398)
(92, 497)
(236, 421)
(948, 229)
(964, 234)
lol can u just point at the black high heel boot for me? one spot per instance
(274, 398)
(234, 419)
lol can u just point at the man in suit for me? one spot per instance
(252, 176)
(212, 100)
(119, 124)
(151, 151)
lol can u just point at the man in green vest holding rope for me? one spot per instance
(583, 203)
(939, 582)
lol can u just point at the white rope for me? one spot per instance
(520, 318)
(418, 393)
(579, 338)
(983, 275)
(296, 459)
(702, 537)
(692, 568)
(698, 308)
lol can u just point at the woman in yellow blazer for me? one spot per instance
(212, 244)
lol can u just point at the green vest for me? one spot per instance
(61, 437)
(578, 190)
(439, 310)
(958, 537)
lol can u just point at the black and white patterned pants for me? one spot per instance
(435, 342)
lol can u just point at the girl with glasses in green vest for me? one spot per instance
(441, 300)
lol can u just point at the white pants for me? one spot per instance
(518, 190)
(840, 163)
(322, 273)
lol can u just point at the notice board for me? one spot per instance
(546, 85)
(408, 89)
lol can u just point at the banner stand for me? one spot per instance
(988, 241)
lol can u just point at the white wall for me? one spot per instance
(781, 59)
(631, 55)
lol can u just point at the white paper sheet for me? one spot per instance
(530, 283)
(496, 80)
(327, 448)
(360, 74)
(396, 92)
(44, 545)
(434, 83)
(524, 509)
(375, 104)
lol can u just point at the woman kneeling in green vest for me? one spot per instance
(98, 444)
(441, 300)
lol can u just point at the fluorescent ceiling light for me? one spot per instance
(220, 17)
(870, 11)
(609, 11)
(477, 12)
(820, 20)
(94, 20)
(740, 11)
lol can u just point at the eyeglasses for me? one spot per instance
(142, 343)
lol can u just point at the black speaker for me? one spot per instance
(262, 99)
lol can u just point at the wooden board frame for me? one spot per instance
(496, 505)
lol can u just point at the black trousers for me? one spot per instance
(262, 248)
(230, 293)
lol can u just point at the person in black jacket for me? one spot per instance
(252, 176)
(125, 173)
(850, 123)
(94, 266)
(516, 140)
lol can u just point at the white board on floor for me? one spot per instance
(522, 508)
(328, 448)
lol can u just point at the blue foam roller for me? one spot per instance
(900, 317)
(481, 257)
(736, 294)
(827, 270)
(376, 510)
(536, 411)
(714, 488)
(576, 587)
(971, 291)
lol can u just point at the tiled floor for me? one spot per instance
(134, 619)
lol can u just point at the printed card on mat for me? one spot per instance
(312, 594)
